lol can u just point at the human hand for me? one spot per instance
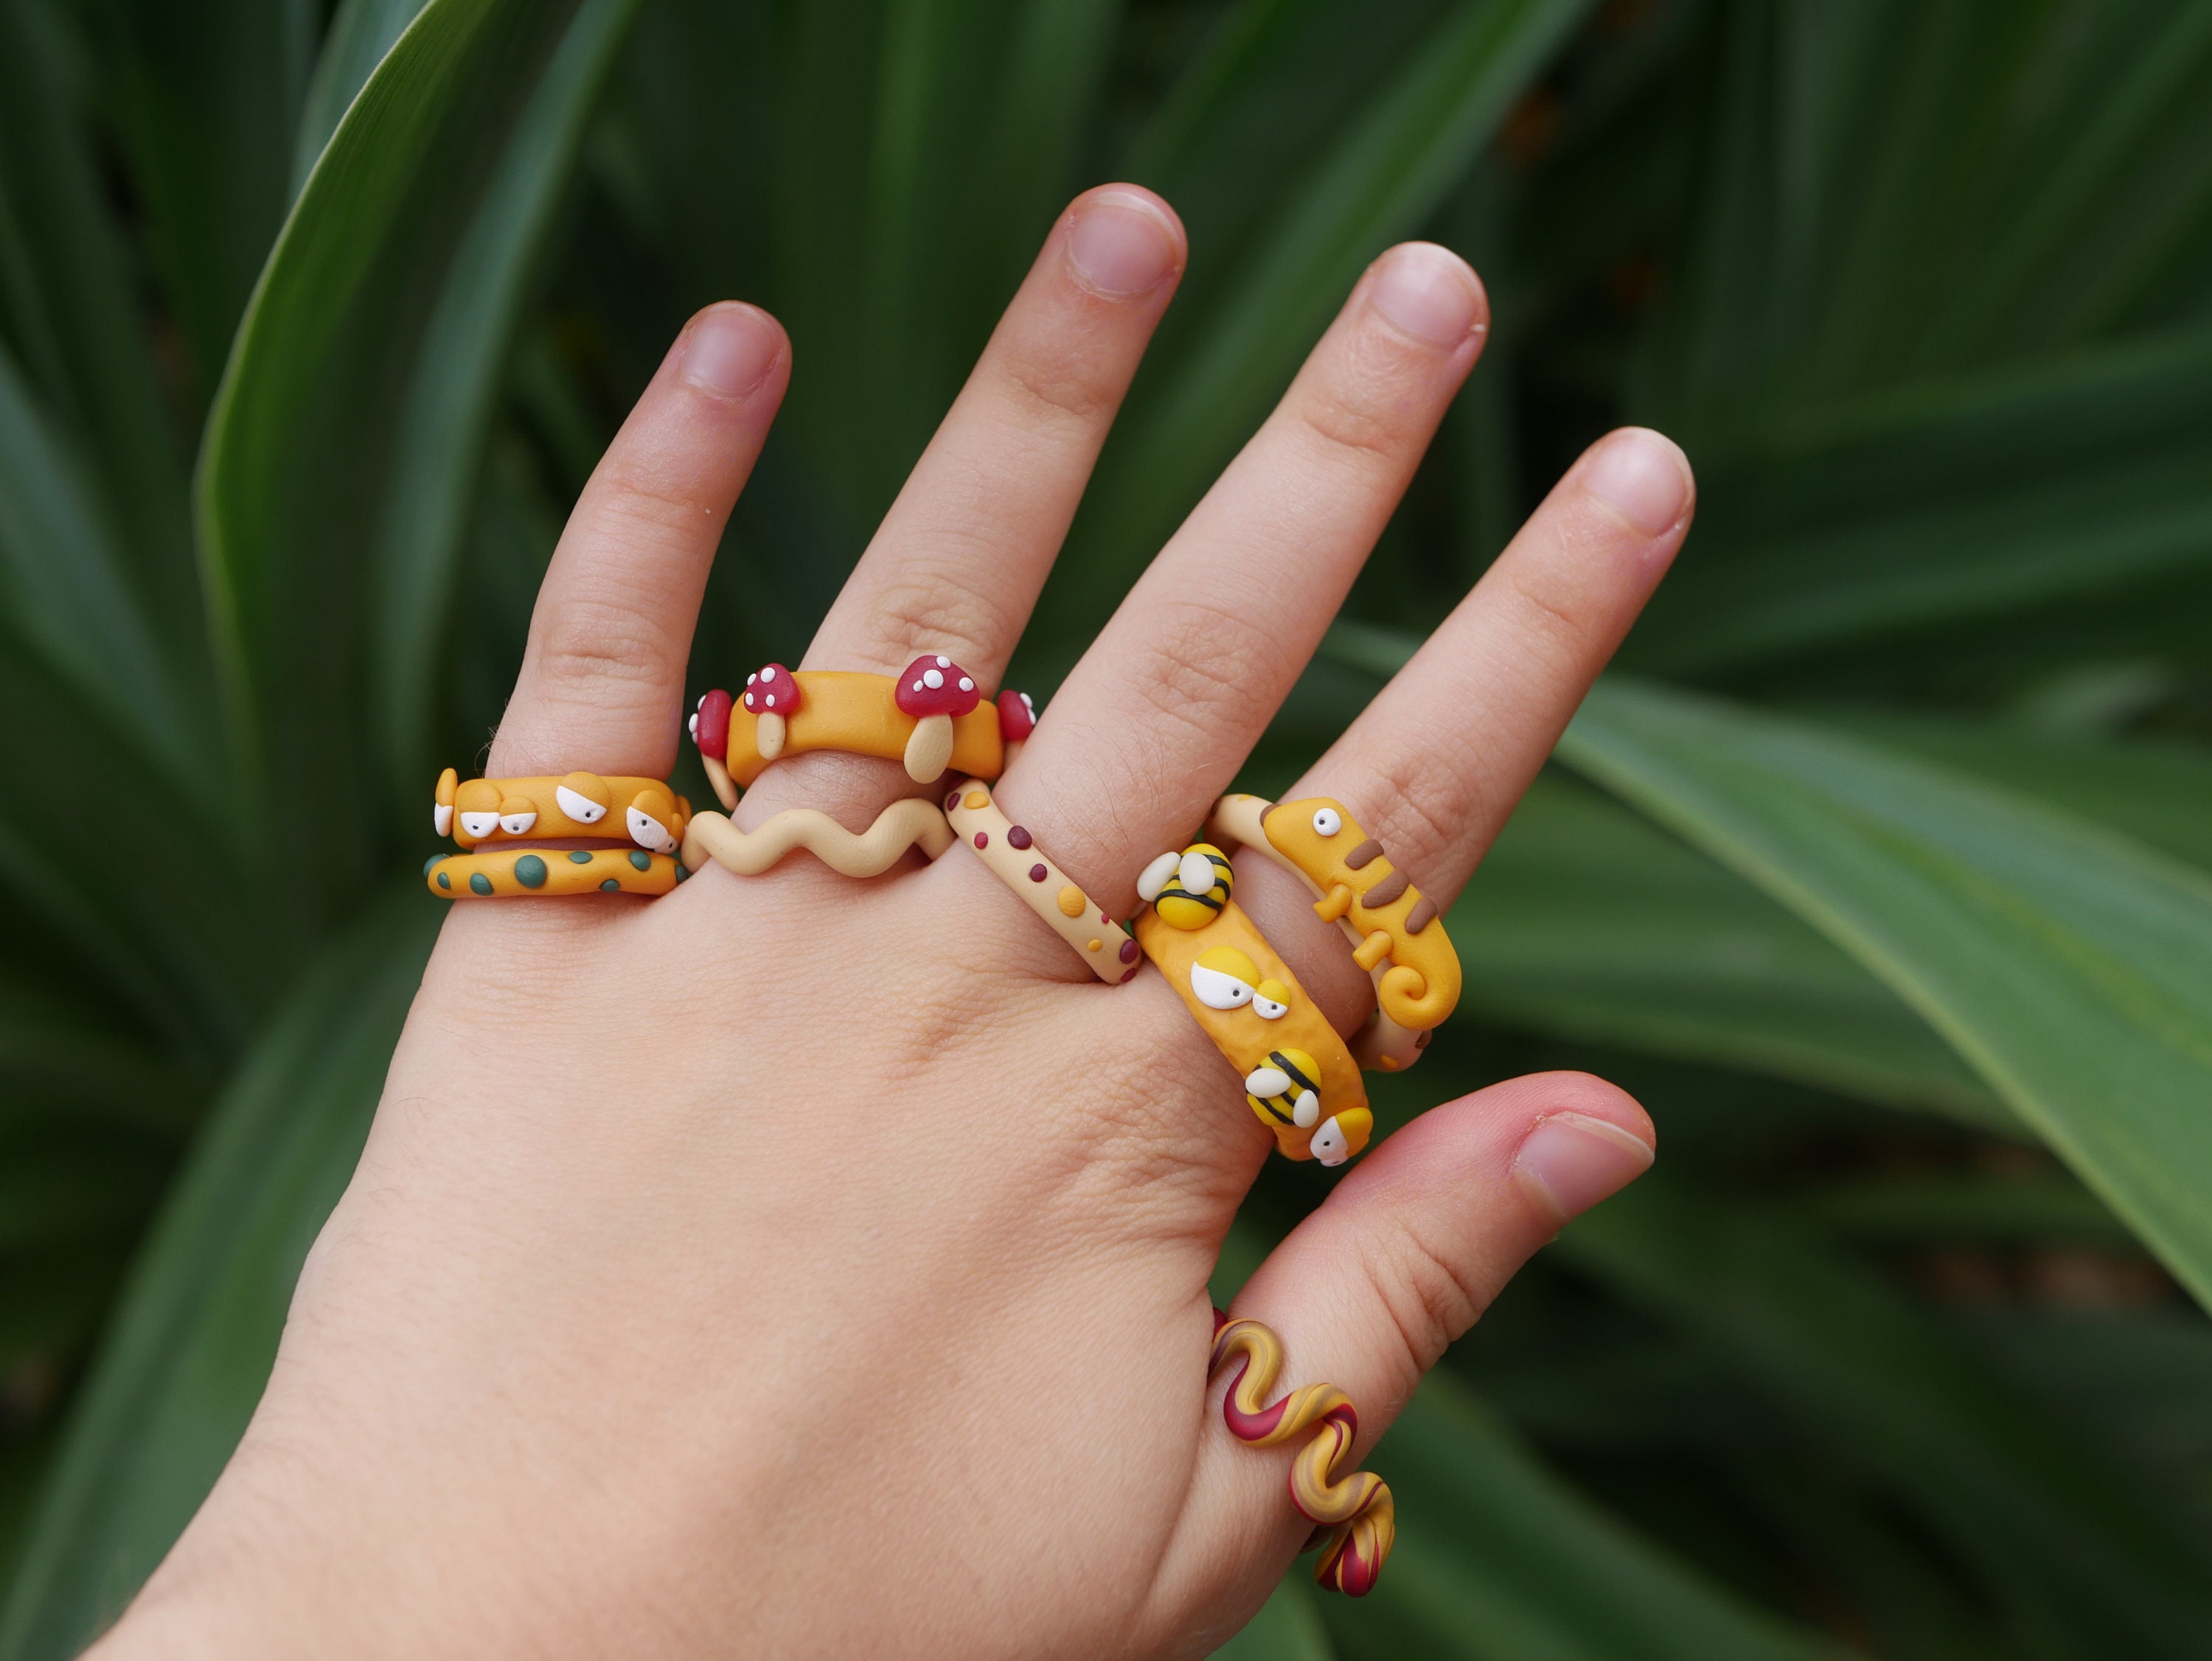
(804, 1266)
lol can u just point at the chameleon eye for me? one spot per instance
(1328, 822)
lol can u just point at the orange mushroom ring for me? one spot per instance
(933, 717)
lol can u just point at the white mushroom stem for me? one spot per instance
(929, 751)
(767, 735)
(725, 788)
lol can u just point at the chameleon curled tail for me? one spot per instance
(1356, 1521)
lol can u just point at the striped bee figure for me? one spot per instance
(1285, 1090)
(1188, 890)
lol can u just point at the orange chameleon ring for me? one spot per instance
(1299, 1079)
(932, 716)
(1399, 939)
(1012, 856)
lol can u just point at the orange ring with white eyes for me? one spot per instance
(507, 811)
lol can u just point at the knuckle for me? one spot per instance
(1062, 391)
(586, 640)
(1208, 668)
(1422, 1292)
(929, 607)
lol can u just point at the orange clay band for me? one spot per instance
(904, 824)
(1356, 1511)
(932, 716)
(1383, 1044)
(1299, 1079)
(509, 873)
(480, 810)
(1015, 859)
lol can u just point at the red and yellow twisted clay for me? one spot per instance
(1354, 1515)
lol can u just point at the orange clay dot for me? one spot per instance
(1094, 945)
(978, 799)
(1071, 902)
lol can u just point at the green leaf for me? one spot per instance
(1288, 1627)
(417, 225)
(181, 1370)
(2071, 966)
(1497, 1556)
(208, 98)
(2076, 1552)
(360, 35)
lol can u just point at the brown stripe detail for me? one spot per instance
(1365, 855)
(1423, 914)
(1384, 892)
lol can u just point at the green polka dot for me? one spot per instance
(530, 871)
(479, 882)
(681, 874)
(444, 880)
(640, 859)
(579, 856)
(431, 863)
(611, 885)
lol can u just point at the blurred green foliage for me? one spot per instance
(1881, 872)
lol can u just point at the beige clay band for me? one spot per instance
(1014, 858)
(905, 824)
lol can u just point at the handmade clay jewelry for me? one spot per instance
(1356, 1510)
(480, 810)
(1012, 856)
(1395, 933)
(516, 873)
(1300, 1081)
(904, 824)
(932, 716)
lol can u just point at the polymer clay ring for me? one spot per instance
(1355, 1519)
(1012, 856)
(1395, 933)
(1300, 1080)
(509, 873)
(489, 817)
(931, 716)
(905, 824)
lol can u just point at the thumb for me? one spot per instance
(1400, 1260)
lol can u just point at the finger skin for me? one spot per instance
(1159, 713)
(1400, 1260)
(960, 558)
(1433, 767)
(602, 682)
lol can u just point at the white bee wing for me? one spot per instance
(1267, 1082)
(1196, 871)
(1306, 1109)
(1154, 876)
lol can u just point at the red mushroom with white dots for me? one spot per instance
(933, 689)
(1017, 720)
(771, 696)
(710, 730)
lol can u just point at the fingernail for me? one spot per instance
(1426, 291)
(729, 350)
(1119, 247)
(1641, 475)
(1571, 1162)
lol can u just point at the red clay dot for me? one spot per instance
(1018, 836)
(982, 839)
(1129, 954)
(952, 801)
(1128, 977)
(1037, 873)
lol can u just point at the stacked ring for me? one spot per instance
(1012, 855)
(1395, 931)
(931, 717)
(492, 814)
(1356, 1511)
(1299, 1079)
(905, 824)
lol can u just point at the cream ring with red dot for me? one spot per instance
(1011, 854)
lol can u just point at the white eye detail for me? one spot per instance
(1153, 878)
(649, 833)
(1266, 1082)
(581, 808)
(1267, 1009)
(1330, 1145)
(517, 824)
(1218, 991)
(1196, 871)
(441, 818)
(479, 825)
(1328, 822)
(1306, 1109)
